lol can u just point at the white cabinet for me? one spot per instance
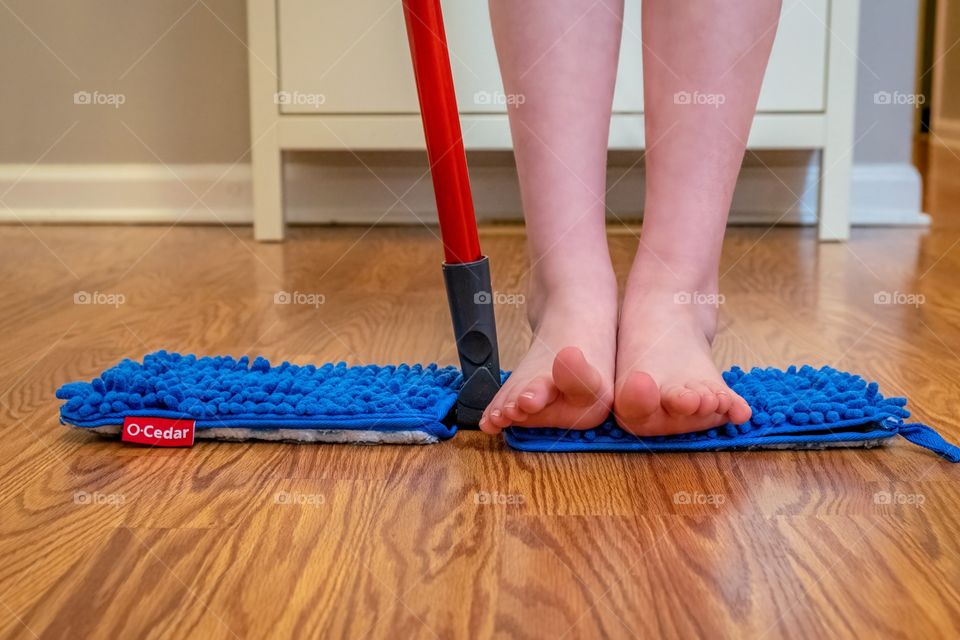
(337, 74)
(352, 56)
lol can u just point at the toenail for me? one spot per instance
(510, 405)
(527, 394)
(495, 413)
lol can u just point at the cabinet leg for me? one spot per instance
(836, 172)
(267, 170)
(836, 163)
(266, 158)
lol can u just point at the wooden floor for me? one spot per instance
(250, 540)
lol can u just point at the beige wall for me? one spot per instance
(180, 66)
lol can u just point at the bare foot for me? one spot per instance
(666, 380)
(566, 377)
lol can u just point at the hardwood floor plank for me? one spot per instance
(467, 538)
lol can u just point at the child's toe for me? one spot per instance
(740, 411)
(637, 398)
(575, 378)
(724, 397)
(679, 401)
(537, 395)
(513, 412)
(487, 426)
(498, 419)
(708, 399)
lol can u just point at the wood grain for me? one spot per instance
(467, 538)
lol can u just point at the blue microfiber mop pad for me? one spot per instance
(803, 408)
(235, 399)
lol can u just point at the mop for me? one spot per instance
(223, 398)
(170, 399)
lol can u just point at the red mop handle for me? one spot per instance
(441, 127)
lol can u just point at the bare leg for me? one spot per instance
(703, 65)
(558, 60)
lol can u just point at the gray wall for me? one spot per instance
(888, 63)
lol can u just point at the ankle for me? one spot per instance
(590, 293)
(682, 298)
(572, 281)
(675, 272)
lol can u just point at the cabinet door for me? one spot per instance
(350, 56)
(796, 75)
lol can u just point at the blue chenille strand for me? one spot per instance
(791, 401)
(223, 386)
(226, 386)
(800, 397)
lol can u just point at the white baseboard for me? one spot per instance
(884, 194)
(126, 193)
(887, 195)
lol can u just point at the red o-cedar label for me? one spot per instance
(159, 432)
